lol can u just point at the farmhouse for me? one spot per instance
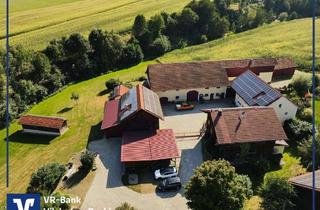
(303, 186)
(43, 125)
(188, 81)
(138, 109)
(250, 132)
(253, 91)
(209, 80)
(149, 147)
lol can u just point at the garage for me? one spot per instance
(164, 100)
(193, 95)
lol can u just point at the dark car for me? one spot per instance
(172, 183)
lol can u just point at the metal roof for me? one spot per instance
(305, 180)
(253, 90)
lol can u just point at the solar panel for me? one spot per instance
(254, 90)
(128, 103)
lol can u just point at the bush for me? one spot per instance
(216, 186)
(283, 16)
(293, 16)
(160, 46)
(306, 114)
(57, 204)
(46, 178)
(125, 206)
(305, 152)
(112, 83)
(297, 130)
(277, 194)
(87, 160)
(301, 85)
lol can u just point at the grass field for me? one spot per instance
(27, 154)
(35, 22)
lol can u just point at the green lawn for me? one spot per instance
(34, 26)
(27, 154)
(291, 39)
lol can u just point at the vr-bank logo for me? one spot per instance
(23, 202)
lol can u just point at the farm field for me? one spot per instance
(35, 28)
(84, 116)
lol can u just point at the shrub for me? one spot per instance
(306, 114)
(305, 152)
(301, 85)
(277, 194)
(297, 130)
(46, 178)
(283, 16)
(87, 160)
(293, 16)
(112, 83)
(215, 185)
(160, 46)
(57, 204)
(125, 206)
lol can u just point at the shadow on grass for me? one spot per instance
(64, 110)
(103, 92)
(27, 138)
(76, 178)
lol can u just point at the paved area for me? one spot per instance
(189, 121)
(108, 192)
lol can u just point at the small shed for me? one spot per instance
(45, 125)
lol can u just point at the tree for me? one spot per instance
(139, 25)
(155, 25)
(125, 206)
(217, 27)
(74, 97)
(187, 19)
(301, 84)
(305, 152)
(112, 83)
(46, 178)
(87, 160)
(132, 54)
(297, 130)
(216, 186)
(160, 46)
(277, 194)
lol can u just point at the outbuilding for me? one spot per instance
(44, 125)
(253, 91)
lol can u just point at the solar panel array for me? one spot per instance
(254, 90)
(152, 102)
(128, 99)
(306, 180)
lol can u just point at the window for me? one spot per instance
(280, 105)
(177, 97)
(286, 113)
(218, 87)
(207, 88)
(206, 95)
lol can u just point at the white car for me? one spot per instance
(165, 173)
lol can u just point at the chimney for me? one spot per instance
(250, 63)
(219, 112)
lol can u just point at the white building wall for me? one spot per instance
(239, 101)
(182, 93)
(284, 108)
(266, 76)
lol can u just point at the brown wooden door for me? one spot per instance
(193, 95)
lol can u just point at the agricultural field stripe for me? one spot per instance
(70, 19)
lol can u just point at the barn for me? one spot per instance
(138, 109)
(253, 91)
(44, 125)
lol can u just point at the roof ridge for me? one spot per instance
(140, 98)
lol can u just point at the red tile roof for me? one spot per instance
(284, 63)
(119, 91)
(163, 77)
(111, 112)
(42, 121)
(148, 145)
(244, 125)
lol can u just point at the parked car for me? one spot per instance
(172, 183)
(184, 106)
(165, 173)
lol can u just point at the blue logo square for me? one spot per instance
(23, 202)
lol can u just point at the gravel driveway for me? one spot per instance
(108, 192)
